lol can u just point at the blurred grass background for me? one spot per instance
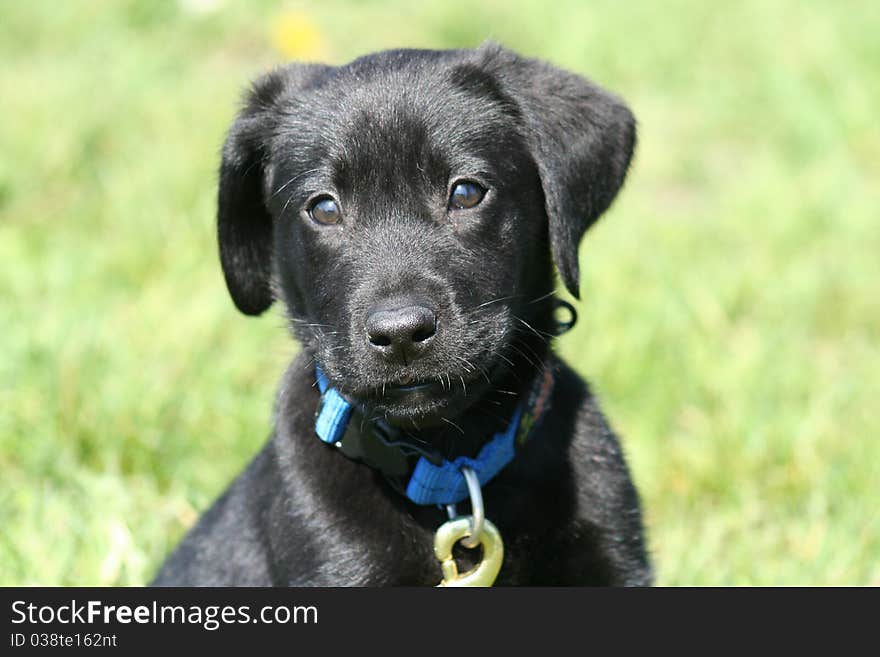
(731, 314)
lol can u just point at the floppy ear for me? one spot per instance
(244, 224)
(582, 140)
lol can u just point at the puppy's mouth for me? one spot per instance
(411, 391)
(409, 387)
(424, 401)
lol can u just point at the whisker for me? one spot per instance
(447, 421)
(483, 305)
(542, 297)
(525, 356)
(533, 329)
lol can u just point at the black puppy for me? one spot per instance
(408, 208)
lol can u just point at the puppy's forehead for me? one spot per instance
(418, 111)
(448, 99)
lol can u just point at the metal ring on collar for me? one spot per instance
(478, 514)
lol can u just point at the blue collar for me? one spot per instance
(433, 479)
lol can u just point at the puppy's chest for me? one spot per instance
(394, 557)
(365, 564)
(390, 548)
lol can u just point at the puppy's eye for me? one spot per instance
(465, 194)
(325, 210)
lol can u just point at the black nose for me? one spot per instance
(402, 333)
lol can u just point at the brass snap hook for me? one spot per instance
(485, 572)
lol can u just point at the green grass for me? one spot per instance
(731, 314)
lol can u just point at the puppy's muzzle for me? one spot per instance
(400, 332)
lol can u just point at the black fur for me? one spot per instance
(387, 136)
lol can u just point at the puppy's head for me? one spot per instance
(406, 207)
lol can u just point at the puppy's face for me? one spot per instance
(404, 207)
(408, 234)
